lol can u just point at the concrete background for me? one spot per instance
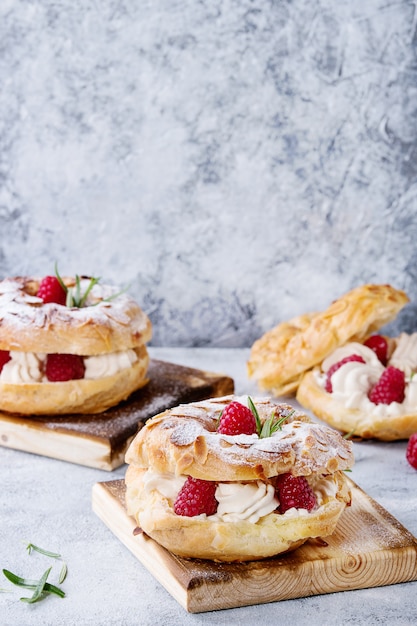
(235, 162)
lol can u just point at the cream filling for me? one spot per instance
(248, 501)
(352, 382)
(28, 367)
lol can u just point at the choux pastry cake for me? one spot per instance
(280, 358)
(69, 345)
(368, 390)
(236, 479)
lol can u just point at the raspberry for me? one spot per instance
(237, 419)
(353, 357)
(411, 451)
(62, 367)
(195, 497)
(4, 358)
(389, 388)
(50, 290)
(379, 345)
(294, 491)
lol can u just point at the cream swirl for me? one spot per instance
(23, 367)
(244, 501)
(108, 364)
(168, 485)
(404, 356)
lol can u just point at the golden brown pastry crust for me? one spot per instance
(281, 356)
(360, 423)
(108, 324)
(29, 325)
(183, 441)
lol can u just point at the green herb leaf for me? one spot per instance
(256, 415)
(31, 547)
(271, 425)
(75, 297)
(116, 295)
(39, 589)
(32, 584)
(266, 428)
(63, 573)
(61, 282)
(93, 282)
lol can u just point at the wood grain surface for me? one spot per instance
(101, 440)
(369, 548)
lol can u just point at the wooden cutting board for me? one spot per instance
(369, 548)
(101, 440)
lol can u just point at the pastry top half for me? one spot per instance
(279, 358)
(183, 440)
(183, 445)
(106, 324)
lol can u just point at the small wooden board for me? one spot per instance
(369, 548)
(101, 440)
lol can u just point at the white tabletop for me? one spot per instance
(48, 503)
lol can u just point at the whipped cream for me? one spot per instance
(108, 364)
(248, 501)
(352, 382)
(23, 367)
(405, 354)
(28, 367)
(244, 501)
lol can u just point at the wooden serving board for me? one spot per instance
(101, 440)
(369, 548)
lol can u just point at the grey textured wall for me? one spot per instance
(236, 162)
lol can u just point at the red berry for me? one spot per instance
(62, 367)
(237, 419)
(195, 497)
(411, 452)
(4, 358)
(50, 290)
(353, 357)
(294, 491)
(389, 388)
(379, 345)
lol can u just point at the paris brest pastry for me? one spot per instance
(236, 479)
(82, 355)
(280, 358)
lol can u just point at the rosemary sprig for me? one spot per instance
(76, 298)
(39, 589)
(40, 586)
(256, 415)
(31, 547)
(63, 573)
(54, 555)
(270, 425)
